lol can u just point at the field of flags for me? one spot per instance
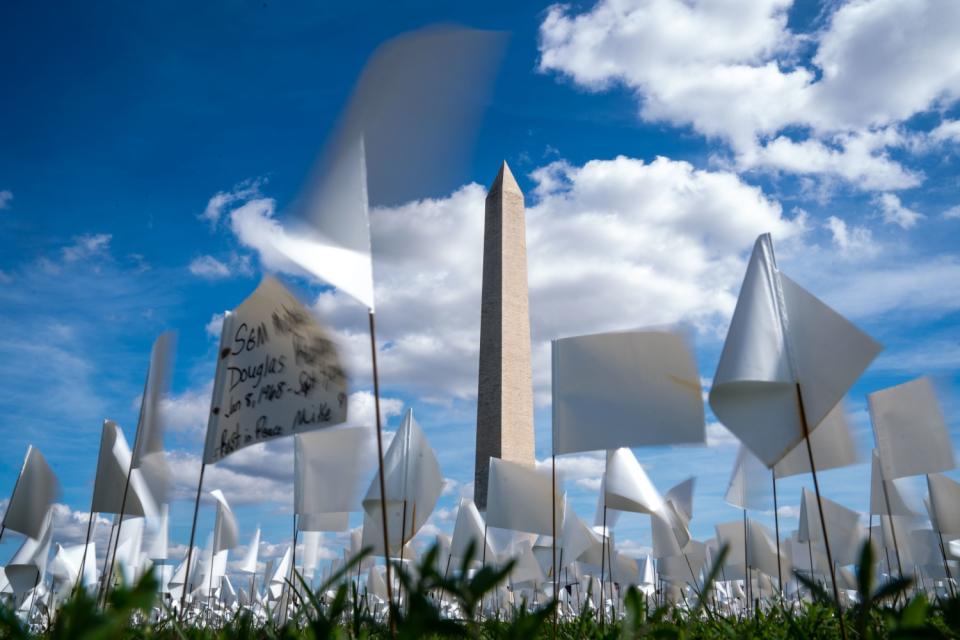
(529, 558)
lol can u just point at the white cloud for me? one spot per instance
(946, 131)
(215, 325)
(851, 241)
(222, 200)
(719, 436)
(734, 71)
(895, 213)
(6, 197)
(611, 244)
(189, 411)
(953, 213)
(211, 268)
(87, 246)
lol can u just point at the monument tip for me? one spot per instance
(504, 180)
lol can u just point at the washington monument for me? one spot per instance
(505, 388)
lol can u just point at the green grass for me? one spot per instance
(887, 611)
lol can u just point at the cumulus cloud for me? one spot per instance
(851, 241)
(611, 244)
(222, 200)
(895, 213)
(6, 197)
(809, 103)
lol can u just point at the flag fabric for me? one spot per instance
(249, 562)
(681, 496)
(750, 485)
(519, 498)
(328, 467)
(225, 530)
(149, 455)
(884, 492)
(911, 435)
(625, 389)
(32, 497)
(412, 480)
(469, 529)
(278, 374)
(842, 525)
(330, 521)
(783, 342)
(944, 503)
(832, 445)
(335, 247)
(110, 482)
(626, 485)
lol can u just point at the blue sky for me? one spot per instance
(653, 140)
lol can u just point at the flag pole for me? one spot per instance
(823, 522)
(776, 524)
(86, 546)
(193, 532)
(893, 528)
(603, 559)
(383, 489)
(553, 524)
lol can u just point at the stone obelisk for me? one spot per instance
(505, 388)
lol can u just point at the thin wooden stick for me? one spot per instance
(823, 522)
(776, 524)
(383, 489)
(193, 532)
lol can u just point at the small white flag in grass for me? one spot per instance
(911, 435)
(226, 532)
(750, 486)
(626, 485)
(110, 483)
(625, 389)
(249, 562)
(32, 497)
(278, 374)
(885, 492)
(412, 480)
(944, 503)
(832, 446)
(327, 470)
(518, 498)
(783, 342)
(467, 530)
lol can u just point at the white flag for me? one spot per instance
(751, 485)
(149, 455)
(944, 503)
(412, 480)
(110, 483)
(225, 530)
(33, 495)
(783, 341)
(911, 435)
(884, 492)
(469, 529)
(519, 498)
(327, 470)
(832, 446)
(278, 374)
(249, 562)
(625, 389)
(626, 485)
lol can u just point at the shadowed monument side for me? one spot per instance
(505, 384)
